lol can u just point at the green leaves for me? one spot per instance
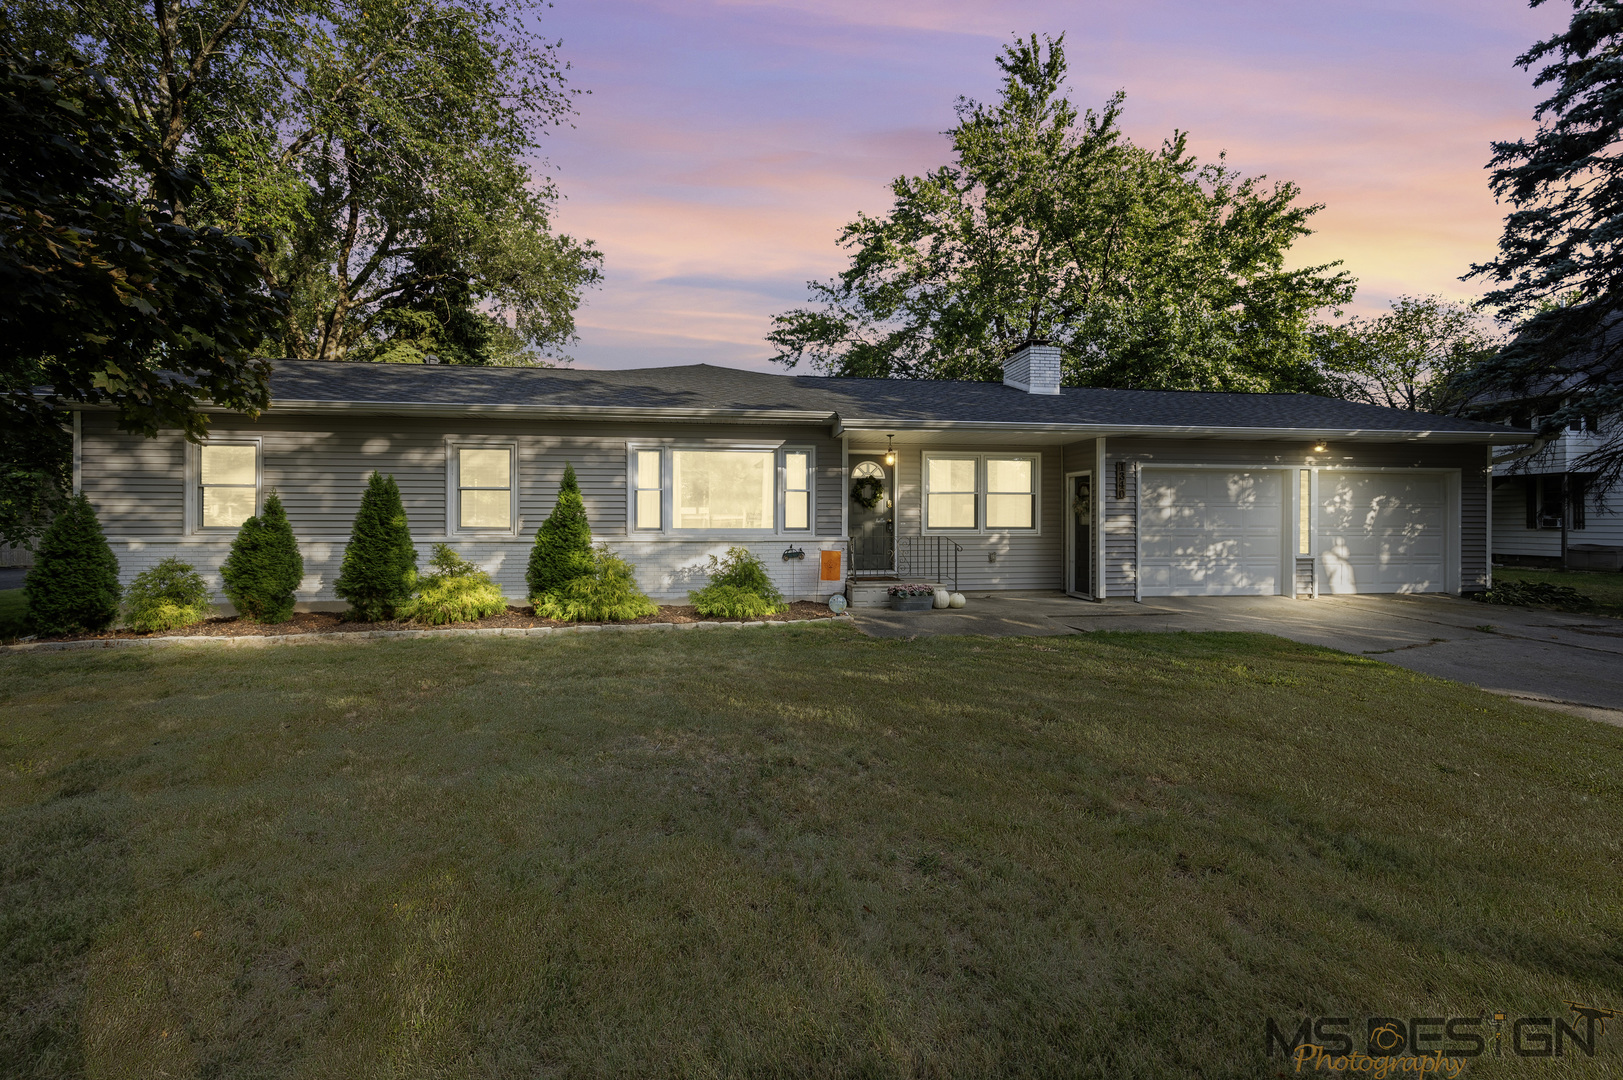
(73, 585)
(1559, 272)
(379, 573)
(1413, 357)
(264, 567)
(563, 543)
(1146, 268)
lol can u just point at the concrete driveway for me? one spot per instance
(1571, 662)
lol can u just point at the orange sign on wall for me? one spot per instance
(831, 565)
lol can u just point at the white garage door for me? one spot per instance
(1207, 532)
(1382, 532)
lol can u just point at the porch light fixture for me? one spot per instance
(890, 451)
(1319, 448)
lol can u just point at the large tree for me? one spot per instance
(1145, 267)
(109, 300)
(386, 147)
(1411, 357)
(1558, 277)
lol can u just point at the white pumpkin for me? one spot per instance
(956, 600)
(941, 598)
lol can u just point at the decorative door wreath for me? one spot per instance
(870, 485)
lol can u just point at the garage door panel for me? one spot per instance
(1382, 533)
(1211, 532)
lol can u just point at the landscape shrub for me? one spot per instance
(264, 567)
(1535, 594)
(379, 573)
(563, 543)
(456, 591)
(608, 593)
(168, 596)
(73, 585)
(739, 588)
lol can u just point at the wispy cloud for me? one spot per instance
(725, 142)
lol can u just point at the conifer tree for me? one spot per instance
(563, 544)
(379, 572)
(73, 586)
(264, 567)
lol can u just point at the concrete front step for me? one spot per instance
(872, 594)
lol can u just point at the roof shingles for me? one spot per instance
(720, 391)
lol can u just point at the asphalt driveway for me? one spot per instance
(1572, 662)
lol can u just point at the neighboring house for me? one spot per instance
(1101, 493)
(1544, 498)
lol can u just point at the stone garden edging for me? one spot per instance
(249, 641)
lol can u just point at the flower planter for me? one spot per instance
(912, 603)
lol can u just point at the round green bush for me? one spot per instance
(739, 588)
(563, 544)
(73, 586)
(456, 591)
(732, 602)
(379, 572)
(168, 596)
(264, 567)
(608, 594)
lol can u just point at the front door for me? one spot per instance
(1080, 487)
(873, 527)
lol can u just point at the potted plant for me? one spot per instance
(911, 597)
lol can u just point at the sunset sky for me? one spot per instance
(725, 142)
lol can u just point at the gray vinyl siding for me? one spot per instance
(1121, 537)
(1025, 560)
(319, 466)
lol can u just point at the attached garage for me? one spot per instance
(1212, 532)
(1385, 532)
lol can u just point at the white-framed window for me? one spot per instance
(677, 488)
(648, 487)
(797, 490)
(480, 489)
(228, 481)
(980, 492)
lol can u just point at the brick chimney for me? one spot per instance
(1033, 368)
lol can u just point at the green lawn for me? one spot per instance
(1606, 589)
(13, 613)
(795, 852)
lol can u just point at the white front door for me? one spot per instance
(1382, 532)
(1212, 532)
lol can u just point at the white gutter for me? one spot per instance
(1128, 430)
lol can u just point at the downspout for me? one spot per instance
(1101, 589)
(78, 452)
(1487, 552)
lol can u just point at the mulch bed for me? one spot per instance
(323, 622)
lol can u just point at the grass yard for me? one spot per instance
(1606, 589)
(795, 852)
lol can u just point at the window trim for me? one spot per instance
(194, 482)
(667, 524)
(454, 444)
(980, 458)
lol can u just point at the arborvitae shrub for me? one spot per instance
(608, 594)
(739, 588)
(456, 591)
(563, 544)
(264, 567)
(379, 572)
(169, 596)
(73, 586)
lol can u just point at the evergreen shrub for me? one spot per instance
(739, 588)
(264, 567)
(563, 543)
(608, 594)
(73, 585)
(168, 596)
(456, 591)
(379, 572)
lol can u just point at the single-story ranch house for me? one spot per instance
(1018, 485)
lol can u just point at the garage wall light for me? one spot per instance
(1319, 448)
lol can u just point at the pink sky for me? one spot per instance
(725, 142)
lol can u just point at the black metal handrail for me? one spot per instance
(928, 558)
